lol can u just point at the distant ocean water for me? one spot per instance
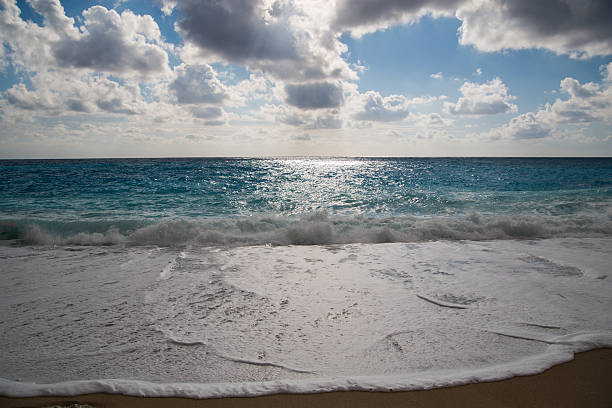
(302, 201)
(234, 277)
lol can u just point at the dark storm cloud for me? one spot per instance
(554, 17)
(234, 29)
(354, 13)
(207, 112)
(577, 27)
(77, 105)
(316, 95)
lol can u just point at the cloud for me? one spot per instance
(76, 105)
(214, 123)
(317, 95)
(525, 126)
(437, 75)
(206, 112)
(331, 106)
(305, 137)
(482, 99)
(19, 96)
(110, 42)
(56, 93)
(586, 104)
(318, 119)
(54, 17)
(290, 117)
(573, 27)
(328, 120)
(362, 16)
(236, 29)
(123, 44)
(24, 43)
(255, 87)
(432, 120)
(290, 40)
(576, 90)
(197, 84)
(371, 106)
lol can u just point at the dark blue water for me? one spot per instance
(239, 200)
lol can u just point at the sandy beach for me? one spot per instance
(584, 382)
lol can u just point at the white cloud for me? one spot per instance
(437, 75)
(482, 99)
(526, 126)
(319, 119)
(431, 120)
(586, 104)
(56, 94)
(28, 44)
(115, 64)
(19, 96)
(425, 100)
(123, 44)
(55, 18)
(255, 87)
(69, 68)
(197, 84)
(111, 42)
(371, 106)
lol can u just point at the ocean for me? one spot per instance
(240, 276)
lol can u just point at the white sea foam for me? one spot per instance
(314, 229)
(408, 382)
(254, 320)
(172, 264)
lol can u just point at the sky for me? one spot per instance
(169, 78)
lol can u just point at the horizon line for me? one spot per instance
(300, 157)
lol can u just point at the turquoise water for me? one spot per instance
(302, 201)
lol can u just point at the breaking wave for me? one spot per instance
(312, 229)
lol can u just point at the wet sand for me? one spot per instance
(584, 382)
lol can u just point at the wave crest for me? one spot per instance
(317, 229)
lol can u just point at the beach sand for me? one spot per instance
(584, 382)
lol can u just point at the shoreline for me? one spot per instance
(585, 381)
